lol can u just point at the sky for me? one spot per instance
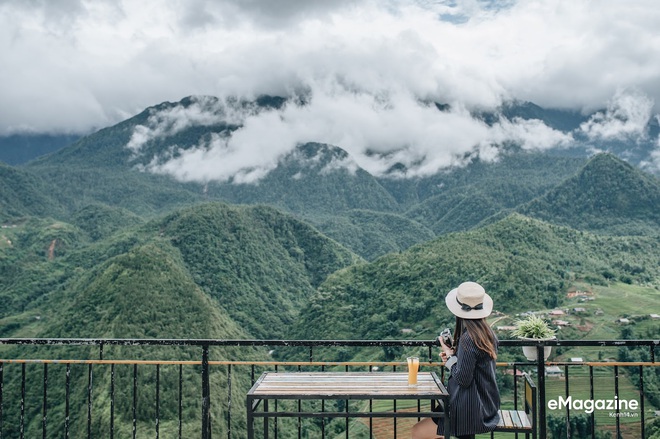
(369, 71)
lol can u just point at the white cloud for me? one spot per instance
(78, 64)
(530, 134)
(202, 111)
(377, 130)
(627, 116)
(75, 65)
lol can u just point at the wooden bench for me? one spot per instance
(521, 421)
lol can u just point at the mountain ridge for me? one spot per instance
(608, 195)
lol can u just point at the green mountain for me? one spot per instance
(607, 196)
(320, 184)
(463, 198)
(100, 221)
(31, 262)
(24, 194)
(373, 234)
(147, 195)
(259, 264)
(145, 293)
(525, 264)
(313, 180)
(317, 182)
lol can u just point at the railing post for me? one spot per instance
(540, 372)
(22, 427)
(616, 395)
(44, 419)
(568, 409)
(652, 347)
(90, 388)
(206, 394)
(67, 395)
(641, 399)
(2, 385)
(591, 396)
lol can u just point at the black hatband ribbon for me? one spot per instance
(466, 307)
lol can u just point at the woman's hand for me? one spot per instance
(446, 350)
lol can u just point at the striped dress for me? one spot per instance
(473, 394)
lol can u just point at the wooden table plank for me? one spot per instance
(348, 384)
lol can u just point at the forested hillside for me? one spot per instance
(256, 263)
(461, 199)
(607, 196)
(24, 194)
(523, 263)
(16, 149)
(321, 184)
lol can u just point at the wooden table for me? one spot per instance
(342, 386)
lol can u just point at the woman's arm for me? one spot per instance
(463, 364)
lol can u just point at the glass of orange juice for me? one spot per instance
(413, 367)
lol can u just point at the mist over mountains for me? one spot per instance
(386, 135)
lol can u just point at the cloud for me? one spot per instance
(263, 13)
(530, 134)
(77, 65)
(627, 116)
(369, 68)
(202, 111)
(379, 131)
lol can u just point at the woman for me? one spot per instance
(473, 395)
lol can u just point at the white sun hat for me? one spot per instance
(469, 301)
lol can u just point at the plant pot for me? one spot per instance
(530, 351)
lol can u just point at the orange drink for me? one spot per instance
(413, 367)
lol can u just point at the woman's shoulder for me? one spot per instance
(469, 343)
(467, 338)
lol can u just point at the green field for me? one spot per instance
(600, 319)
(619, 300)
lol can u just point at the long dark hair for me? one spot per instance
(480, 333)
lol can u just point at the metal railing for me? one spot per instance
(209, 395)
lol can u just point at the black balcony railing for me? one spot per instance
(189, 394)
